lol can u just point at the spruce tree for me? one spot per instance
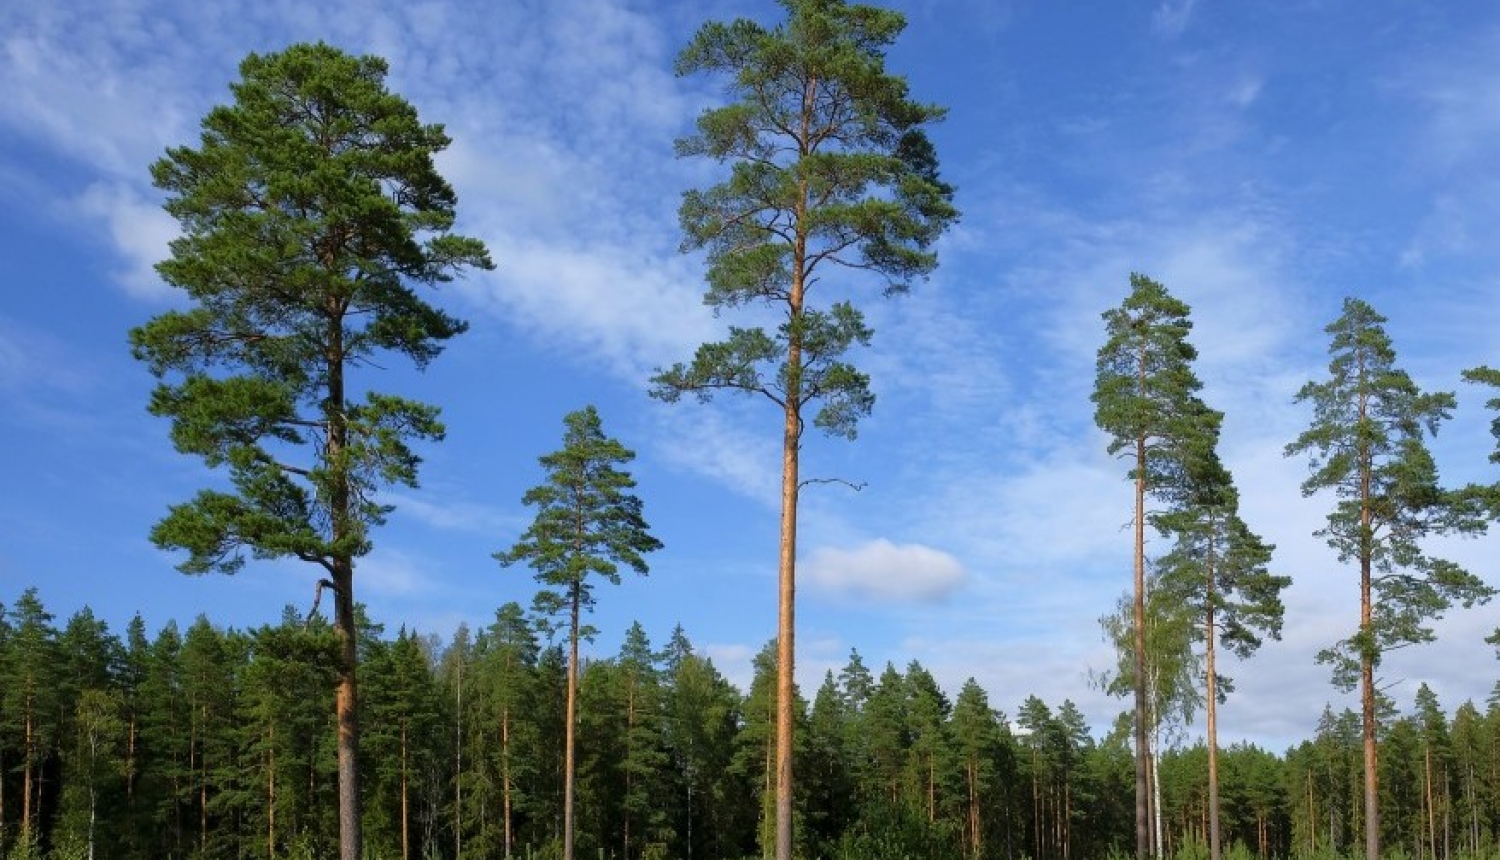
(1367, 444)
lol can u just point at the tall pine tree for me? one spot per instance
(1146, 399)
(831, 176)
(308, 211)
(1366, 444)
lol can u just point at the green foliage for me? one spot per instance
(308, 208)
(1146, 393)
(829, 170)
(588, 522)
(675, 754)
(1366, 445)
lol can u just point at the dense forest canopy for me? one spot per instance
(215, 742)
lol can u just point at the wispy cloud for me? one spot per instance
(1171, 17)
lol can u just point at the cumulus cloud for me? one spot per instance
(884, 571)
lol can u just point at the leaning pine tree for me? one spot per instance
(1146, 399)
(309, 211)
(1366, 444)
(830, 173)
(587, 524)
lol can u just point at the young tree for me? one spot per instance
(1366, 444)
(506, 667)
(32, 700)
(587, 524)
(1217, 569)
(309, 211)
(830, 171)
(1145, 398)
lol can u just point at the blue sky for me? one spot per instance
(1261, 160)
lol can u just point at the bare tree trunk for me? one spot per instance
(505, 775)
(1142, 738)
(786, 617)
(29, 753)
(405, 799)
(271, 793)
(1214, 849)
(1427, 797)
(569, 762)
(975, 843)
(458, 764)
(350, 836)
(629, 751)
(1367, 649)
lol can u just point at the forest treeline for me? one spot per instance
(214, 742)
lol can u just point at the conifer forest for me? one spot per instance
(210, 742)
(314, 227)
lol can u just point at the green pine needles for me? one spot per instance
(832, 182)
(309, 211)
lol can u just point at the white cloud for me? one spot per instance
(883, 571)
(141, 232)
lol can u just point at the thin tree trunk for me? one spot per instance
(405, 799)
(1142, 738)
(505, 775)
(29, 752)
(572, 716)
(974, 831)
(1367, 646)
(350, 837)
(629, 752)
(458, 764)
(1427, 797)
(786, 608)
(1214, 851)
(271, 793)
(1155, 774)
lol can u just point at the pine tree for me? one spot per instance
(506, 667)
(830, 170)
(977, 742)
(1218, 568)
(1145, 398)
(588, 523)
(308, 210)
(1366, 444)
(31, 694)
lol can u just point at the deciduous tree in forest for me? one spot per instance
(1146, 398)
(831, 173)
(308, 211)
(1217, 569)
(587, 524)
(1366, 444)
